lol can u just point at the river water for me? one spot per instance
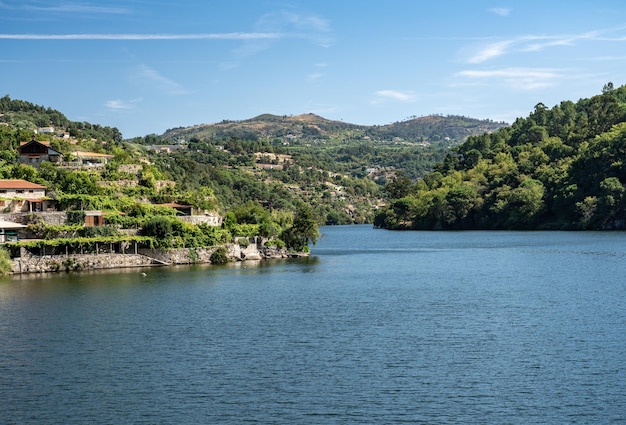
(376, 327)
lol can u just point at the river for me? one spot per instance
(376, 327)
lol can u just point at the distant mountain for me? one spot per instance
(437, 127)
(308, 128)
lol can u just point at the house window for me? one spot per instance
(3, 191)
(19, 191)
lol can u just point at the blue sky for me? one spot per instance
(146, 66)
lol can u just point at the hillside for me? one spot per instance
(559, 168)
(311, 128)
(276, 162)
(337, 167)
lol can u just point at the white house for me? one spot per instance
(22, 196)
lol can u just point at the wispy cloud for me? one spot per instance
(518, 78)
(281, 25)
(311, 27)
(79, 8)
(491, 51)
(160, 82)
(501, 11)
(393, 95)
(317, 75)
(121, 105)
(528, 43)
(141, 37)
(66, 7)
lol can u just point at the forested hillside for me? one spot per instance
(559, 168)
(260, 170)
(336, 167)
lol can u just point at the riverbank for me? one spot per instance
(255, 251)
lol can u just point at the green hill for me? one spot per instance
(559, 168)
(311, 128)
(277, 162)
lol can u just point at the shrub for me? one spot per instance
(275, 242)
(157, 227)
(95, 231)
(219, 256)
(5, 262)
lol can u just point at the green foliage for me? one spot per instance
(247, 230)
(337, 169)
(219, 256)
(98, 231)
(159, 228)
(75, 217)
(77, 245)
(5, 262)
(303, 231)
(278, 243)
(560, 168)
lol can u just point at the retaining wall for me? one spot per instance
(29, 263)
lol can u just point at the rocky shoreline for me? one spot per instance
(256, 251)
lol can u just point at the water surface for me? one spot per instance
(376, 327)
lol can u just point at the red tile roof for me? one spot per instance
(19, 184)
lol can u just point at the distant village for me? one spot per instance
(19, 199)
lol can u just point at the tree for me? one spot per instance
(398, 187)
(303, 230)
(157, 227)
(460, 200)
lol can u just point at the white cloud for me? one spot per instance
(501, 11)
(528, 43)
(518, 78)
(143, 37)
(315, 76)
(78, 8)
(394, 95)
(67, 8)
(281, 25)
(121, 105)
(491, 51)
(562, 40)
(310, 27)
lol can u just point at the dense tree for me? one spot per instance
(563, 167)
(303, 231)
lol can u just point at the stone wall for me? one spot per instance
(255, 250)
(56, 218)
(235, 252)
(28, 263)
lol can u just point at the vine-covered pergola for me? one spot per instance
(81, 246)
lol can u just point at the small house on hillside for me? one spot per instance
(9, 231)
(36, 152)
(91, 159)
(181, 209)
(94, 218)
(22, 196)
